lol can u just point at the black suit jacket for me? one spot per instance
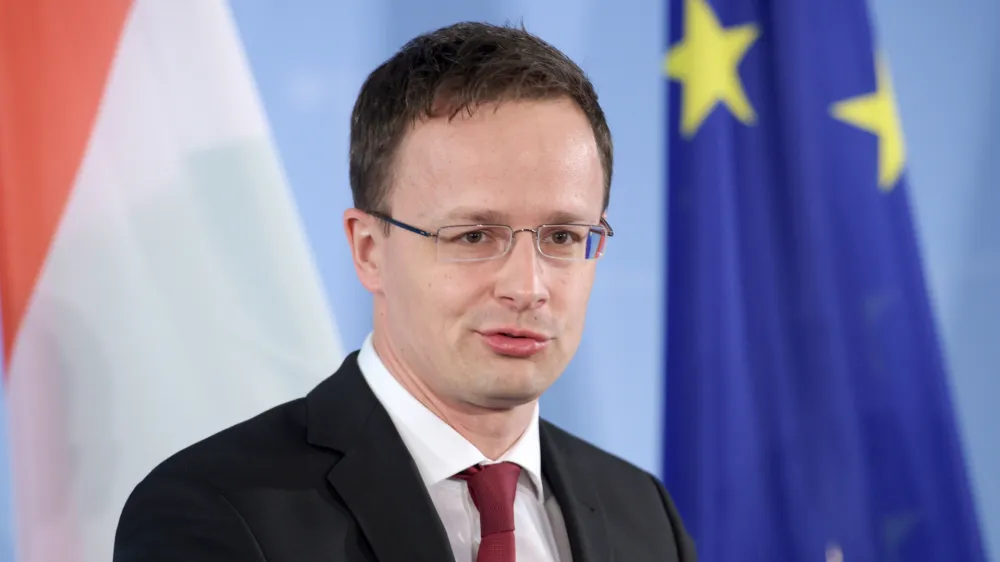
(326, 478)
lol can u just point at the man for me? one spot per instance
(480, 167)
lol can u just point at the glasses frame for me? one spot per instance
(603, 224)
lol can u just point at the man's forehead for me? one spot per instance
(487, 215)
(532, 128)
(476, 203)
(555, 176)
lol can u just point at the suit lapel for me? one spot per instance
(376, 477)
(578, 501)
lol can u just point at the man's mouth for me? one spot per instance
(514, 342)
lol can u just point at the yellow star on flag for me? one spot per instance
(706, 63)
(876, 113)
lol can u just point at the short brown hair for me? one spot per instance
(454, 69)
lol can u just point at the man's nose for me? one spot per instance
(521, 282)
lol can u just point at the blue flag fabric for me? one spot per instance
(808, 414)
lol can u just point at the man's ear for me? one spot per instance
(366, 241)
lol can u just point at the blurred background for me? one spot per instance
(306, 61)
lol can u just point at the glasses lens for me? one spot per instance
(572, 241)
(467, 243)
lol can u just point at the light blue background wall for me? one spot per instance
(311, 57)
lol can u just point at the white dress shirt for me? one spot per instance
(440, 452)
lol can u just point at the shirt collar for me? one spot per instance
(438, 450)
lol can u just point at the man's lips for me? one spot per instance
(515, 333)
(514, 342)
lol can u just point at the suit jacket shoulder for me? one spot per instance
(321, 478)
(592, 458)
(196, 503)
(637, 508)
(244, 451)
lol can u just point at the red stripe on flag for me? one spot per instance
(55, 57)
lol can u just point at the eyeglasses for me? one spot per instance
(477, 242)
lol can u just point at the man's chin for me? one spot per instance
(513, 393)
(507, 400)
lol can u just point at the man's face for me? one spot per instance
(523, 165)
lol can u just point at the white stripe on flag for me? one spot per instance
(178, 296)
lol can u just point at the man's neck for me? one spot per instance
(492, 431)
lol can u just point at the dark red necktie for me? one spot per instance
(492, 488)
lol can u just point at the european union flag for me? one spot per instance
(808, 411)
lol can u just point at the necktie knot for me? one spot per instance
(492, 488)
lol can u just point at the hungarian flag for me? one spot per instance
(156, 281)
